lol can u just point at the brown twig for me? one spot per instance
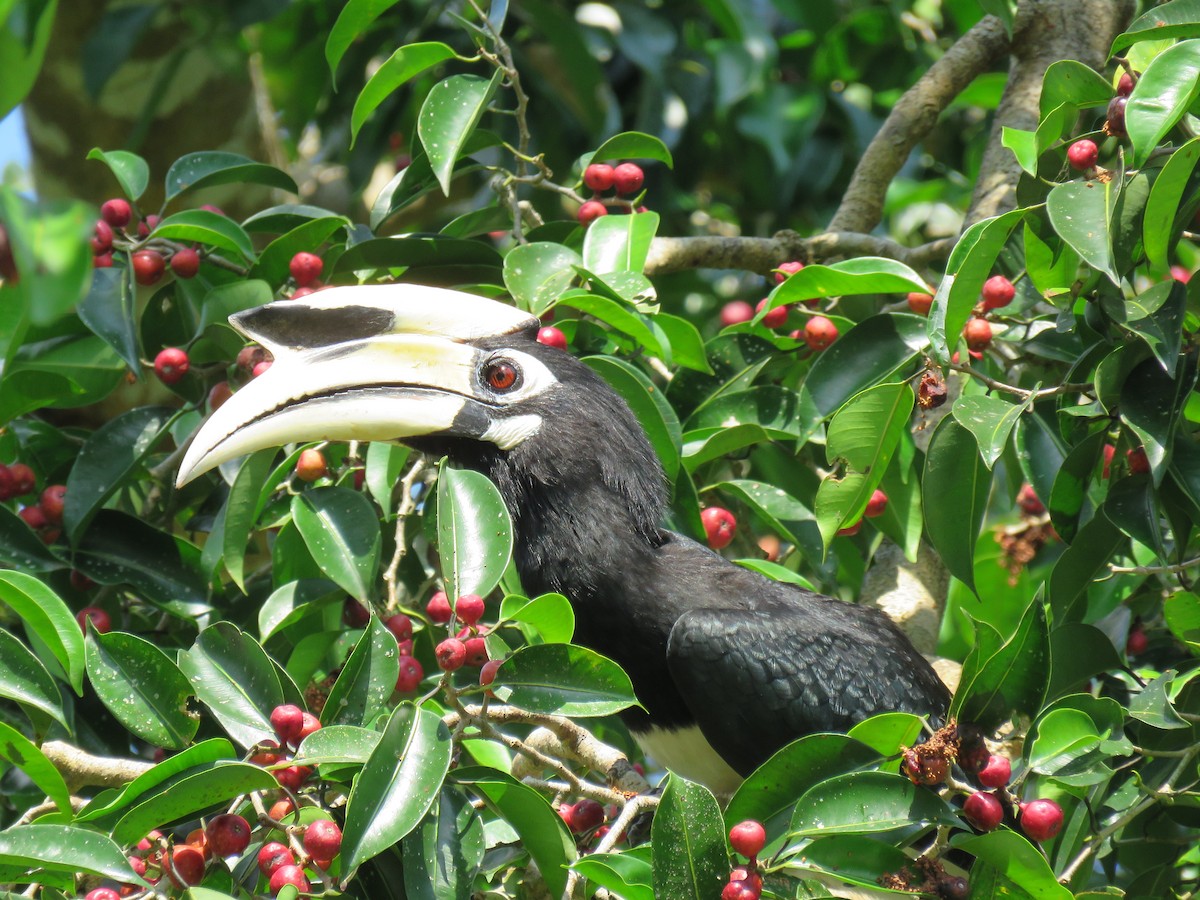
(82, 769)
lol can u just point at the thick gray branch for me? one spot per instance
(81, 769)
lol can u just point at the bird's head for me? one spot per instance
(441, 370)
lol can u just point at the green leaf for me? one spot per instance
(120, 548)
(1062, 737)
(1082, 562)
(619, 243)
(1132, 505)
(688, 843)
(1081, 213)
(132, 172)
(428, 255)
(23, 53)
(551, 616)
(991, 420)
(687, 347)
(540, 829)
(402, 66)
(25, 680)
(1003, 674)
(1159, 224)
(443, 853)
(142, 687)
(1148, 404)
(195, 791)
(294, 601)
(969, 266)
(206, 227)
(630, 145)
(1069, 493)
(1077, 652)
(868, 802)
(656, 415)
(397, 785)
(106, 461)
(233, 676)
(337, 744)
(1161, 97)
(703, 445)
(211, 167)
(1182, 612)
(1070, 81)
(367, 680)
(341, 530)
(954, 492)
(418, 179)
(615, 314)
(285, 217)
(474, 532)
(1153, 706)
(20, 752)
(45, 615)
(622, 874)
(862, 275)
(1017, 859)
(225, 299)
(49, 243)
(241, 512)
(564, 680)
(449, 115)
(21, 548)
(108, 311)
(64, 848)
(1040, 453)
(1157, 316)
(352, 22)
(776, 411)
(537, 273)
(855, 859)
(1163, 22)
(865, 355)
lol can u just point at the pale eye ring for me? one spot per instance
(501, 375)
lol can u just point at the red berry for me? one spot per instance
(920, 303)
(267, 755)
(591, 211)
(311, 465)
(1115, 124)
(274, 856)
(819, 333)
(148, 267)
(187, 865)
(147, 225)
(411, 673)
(1029, 501)
(323, 839)
(287, 719)
(81, 582)
(1180, 274)
(227, 834)
(102, 261)
(1139, 464)
(1109, 452)
(996, 772)
(261, 367)
(876, 505)
(185, 263)
(477, 653)
(52, 501)
(978, 333)
(585, 815)
(735, 312)
(400, 626)
(305, 268)
(451, 654)
(171, 364)
(469, 608)
(220, 392)
(773, 318)
(719, 526)
(281, 809)
(438, 608)
(850, 530)
(355, 614)
(552, 337)
(598, 176)
(310, 724)
(748, 838)
(748, 875)
(983, 810)
(250, 356)
(997, 291)
(487, 674)
(739, 889)
(293, 777)
(116, 212)
(33, 517)
(785, 270)
(1125, 85)
(286, 875)
(101, 621)
(628, 178)
(104, 893)
(102, 241)
(1041, 820)
(1082, 155)
(23, 480)
(1137, 642)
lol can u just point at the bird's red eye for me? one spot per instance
(501, 375)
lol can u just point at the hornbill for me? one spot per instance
(728, 664)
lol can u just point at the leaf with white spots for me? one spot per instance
(474, 532)
(63, 848)
(449, 115)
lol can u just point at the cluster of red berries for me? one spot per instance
(1115, 115)
(45, 515)
(818, 332)
(305, 269)
(1040, 819)
(467, 647)
(626, 180)
(745, 883)
(875, 507)
(116, 218)
(997, 293)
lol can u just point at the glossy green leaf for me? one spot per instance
(352, 22)
(21, 548)
(367, 680)
(865, 803)
(474, 532)
(1162, 22)
(284, 217)
(1085, 560)
(444, 851)
(225, 299)
(24, 50)
(991, 420)
(854, 859)
(119, 548)
(619, 243)
(687, 347)
(550, 615)
(656, 415)
(1132, 505)
(564, 680)
(63, 848)
(1077, 652)
(341, 530)
(337, 744)
(887, 733)
(1040, 453)
(1161, 97)
(1148, 399)
(1157, 316)
(295, 601)
(1019, 861)
(1070, 81)
(615, 314)
(630, 145)
(1062, 737)
(45, 615)
(1163, 204)
(776, 411)
(970, 265)
(385, 462)
(131, 171)
(1004, 673)
(236, 680)
(702, 445)
(1153, 705)
(864, 356)
(450, 113)
(425, 254)
(540, 829)
(195, 791)
(397, 785)
(107, 459)
(241, 511)
(24, 679)
(688, 843)
(417, 179)
(1069, 493)
(211, 167)
(142, 687)
(401, 67)
(108, 311)
(206, 227)
(20, 752)
(537, 273)
(623, 874)
(954, 492)
(1182, 612)
(861, 275)
(1080, 212)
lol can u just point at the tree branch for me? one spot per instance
(80, 768)
(914, 114)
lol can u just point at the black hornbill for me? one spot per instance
(729, 665)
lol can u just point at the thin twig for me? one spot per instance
(408, 505)
(1156, 570)
(1023, 393)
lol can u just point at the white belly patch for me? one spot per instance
(687, 752)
